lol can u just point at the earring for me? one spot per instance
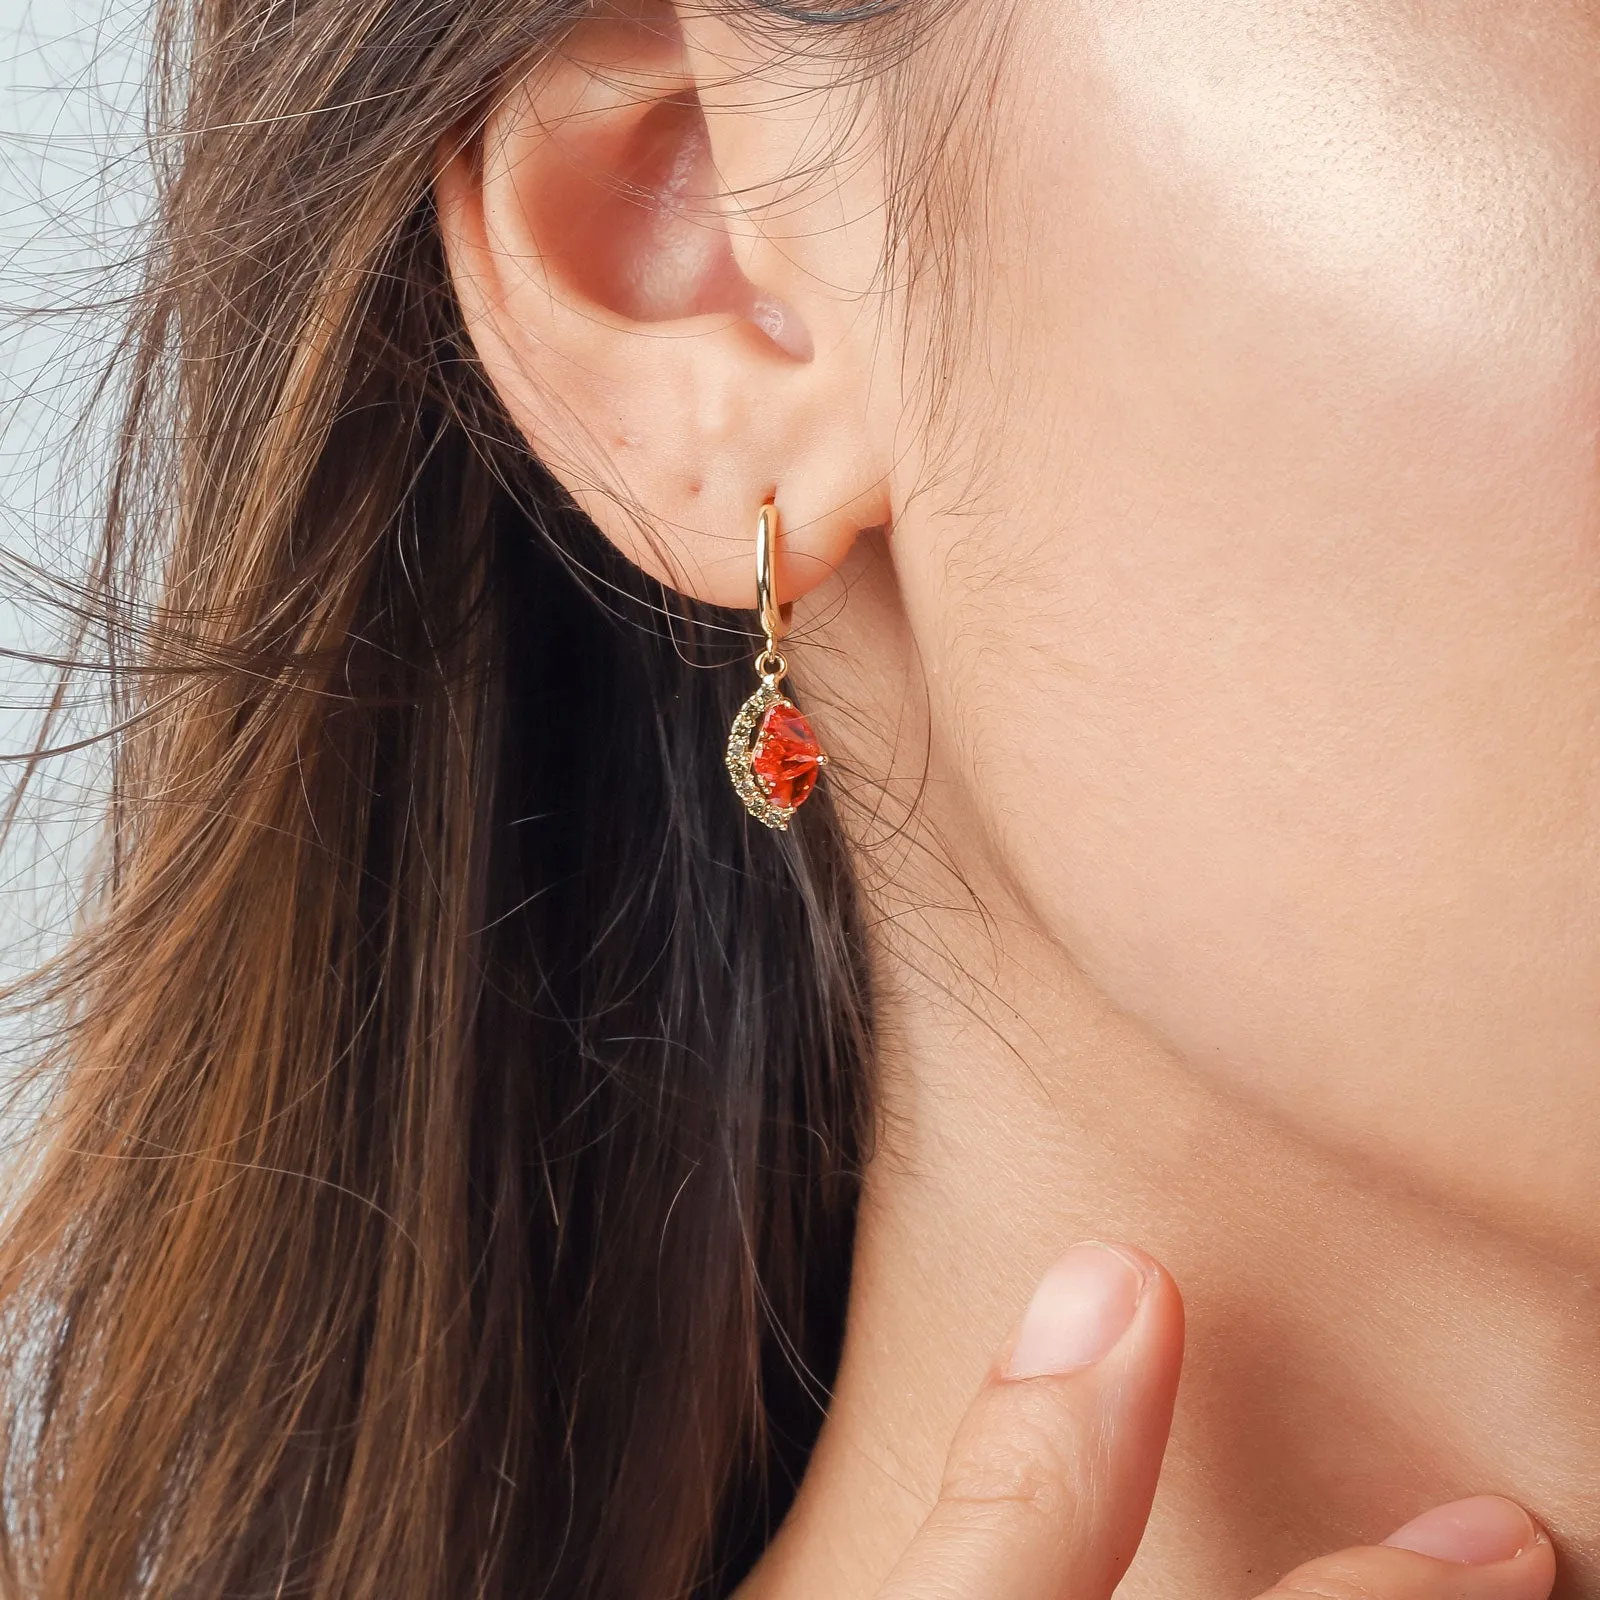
(773, 756)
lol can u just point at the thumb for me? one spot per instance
(1051, 1473)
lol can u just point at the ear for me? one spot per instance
(670, 280)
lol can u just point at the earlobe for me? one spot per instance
(665, 366)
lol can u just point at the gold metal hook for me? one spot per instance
(766, 573)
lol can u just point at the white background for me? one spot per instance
(73, 193)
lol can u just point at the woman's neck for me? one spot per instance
(1355, 1354)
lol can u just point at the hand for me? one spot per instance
(1050, 1478)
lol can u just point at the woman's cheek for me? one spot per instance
(1275, 653)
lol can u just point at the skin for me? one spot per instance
(1198, 602)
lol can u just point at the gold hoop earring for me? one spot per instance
(773, 756)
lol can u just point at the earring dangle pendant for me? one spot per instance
(773, 756)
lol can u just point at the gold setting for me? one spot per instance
(771, 666)
(742, 749)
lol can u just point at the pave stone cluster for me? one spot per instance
(741, 755)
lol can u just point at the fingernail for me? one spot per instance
(1474, 1532)
(1082, 1307)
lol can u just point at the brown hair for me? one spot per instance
(449, 1173)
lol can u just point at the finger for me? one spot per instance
(1485, 1548)
(1049, 1480)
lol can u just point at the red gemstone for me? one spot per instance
(786, 757)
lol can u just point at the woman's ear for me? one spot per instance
(671, 285)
